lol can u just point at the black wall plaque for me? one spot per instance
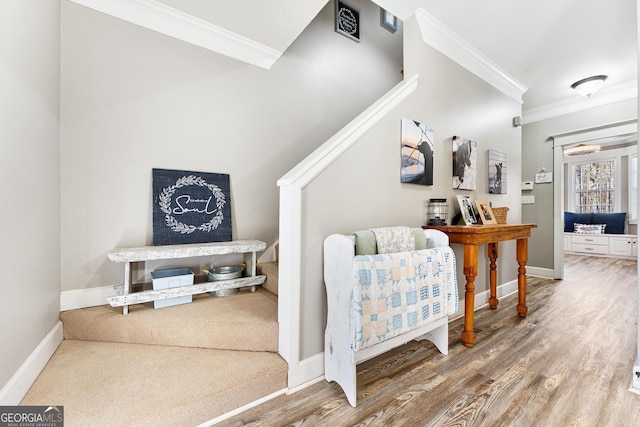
(347, 21)
(190, 207)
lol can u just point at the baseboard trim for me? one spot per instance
(481, 299)
(305, 371)
(243, 408)
(17, 387)
(83, 298)
(307, 384)
(547, 273)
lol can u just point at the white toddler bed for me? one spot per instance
(382, 294)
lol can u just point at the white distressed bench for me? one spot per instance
(130, 256)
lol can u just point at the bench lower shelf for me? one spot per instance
(200, 288)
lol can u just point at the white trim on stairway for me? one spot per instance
(91, 297)
(172, 22)
(17, 387)
(291, 186)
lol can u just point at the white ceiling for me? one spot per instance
(545, 46)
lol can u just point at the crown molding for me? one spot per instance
(441, 38)
(171, 22)
(592, 134)
(580, 103)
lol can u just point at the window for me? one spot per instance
(595, 186)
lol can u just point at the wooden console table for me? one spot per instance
(471, 236)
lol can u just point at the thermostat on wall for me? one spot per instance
(527, 185)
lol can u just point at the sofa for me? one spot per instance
(595, 223)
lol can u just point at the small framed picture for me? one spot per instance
(467, 210)
(347, 21)
(485, 213)
(388, 21)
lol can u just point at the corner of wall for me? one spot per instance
(17, 387)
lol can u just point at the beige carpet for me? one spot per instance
(114, 384)
(176, 366)
(269, 269)
(243, 321)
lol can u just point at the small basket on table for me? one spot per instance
(501, 214)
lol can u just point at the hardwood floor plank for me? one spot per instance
(568, 363)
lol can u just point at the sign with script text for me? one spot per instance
(190, 207)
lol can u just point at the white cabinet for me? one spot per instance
(590, 243)
(614, 245)
(623, 246)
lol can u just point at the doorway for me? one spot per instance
(611, 136)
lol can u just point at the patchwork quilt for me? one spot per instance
(397, 292)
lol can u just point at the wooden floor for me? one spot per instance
(569, 363)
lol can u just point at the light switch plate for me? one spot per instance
(528, 200)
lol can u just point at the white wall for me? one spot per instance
(134, 100)
(537, 148)
(362, 189)
(30, 178)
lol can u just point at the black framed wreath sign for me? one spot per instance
(347, 21)
(190, 207)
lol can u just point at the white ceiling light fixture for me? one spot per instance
(581, 150)
(590, 85)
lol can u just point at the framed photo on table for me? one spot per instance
(467, 210)
(485, 213)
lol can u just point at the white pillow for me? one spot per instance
(589, 228)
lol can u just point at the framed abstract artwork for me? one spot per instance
(416, 153)
(464, 163)
(497, 172)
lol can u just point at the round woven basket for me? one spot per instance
(500, 214)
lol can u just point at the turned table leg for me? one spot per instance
(470, 272)
(521, 256)
(492, 251)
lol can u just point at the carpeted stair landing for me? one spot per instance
(177, 366)
(243, 321)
